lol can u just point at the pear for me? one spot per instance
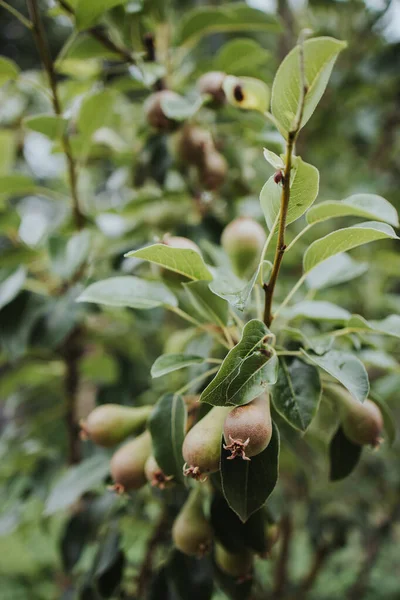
(194, 143)
(362, 423)
(248, 428)
(243, 240)
(109, 424)
(155, 476)
(211, 83)
(202, 445)
(213, 170)
(238, 565)
(154, 113)
(128, 462)
(191, 532)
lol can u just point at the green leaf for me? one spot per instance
(246, 371)
(87, 12)
(304, 187)
(233, 289)
(240, 55)
(320, 55)
(179, 108)
(11, 286)
(128, 291)
(16, 185)
(346, 368)
(67, 258)
(167, 425)
(95, 112)
(247, 484)
(317, 310)
(297, 392)
(334, 270)
(167, 363)
(345, 239)
(247, 93)
(369, 206)
(389, 422)
(273, 159)
(210, 306)
(76, 481)
(51, 126)
(8, 70)
(184, 261)
(343, 456)
(237, 17)
(388, 326)
(85, 47)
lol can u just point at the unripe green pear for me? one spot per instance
(243, 240)
(213, 170)
(212, 83)
(191, 532)
(238, 565)
(248, 428)
(127, 463)
(155, 476)
(202, 445)
(154, 112)
(362, 423)
(109, 424)
(194, 143)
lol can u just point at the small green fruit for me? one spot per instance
(128, 462)
(109, 424)
(213, 170)
(211, 83)
(243, 240)
(362, 423)
(238, 565)
(155, 475)
(248, 428)
(154, 112)
(202, 445)
(191, 532)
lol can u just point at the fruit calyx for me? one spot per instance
(237, 448)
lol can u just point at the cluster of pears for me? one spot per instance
(195, 145)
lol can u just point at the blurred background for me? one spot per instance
(62, 533)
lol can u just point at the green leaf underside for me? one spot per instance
(388, 326)
(167, 425)
(130, 292)
(238, 17)
(248, 484)
(320, 55)
(87, 12)
(76, 481)
(303, 191)
(228, 286)
(211, 307)
(246, 370)
(297, 392)
(317, 310)
(343, 456)
(179, 108)
(345, 239)
(167, 363)
(11, 286)
(180, 260)
(368, 206)
(346, 368)
(334, 270)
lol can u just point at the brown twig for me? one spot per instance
(103, 38)
(45, 56)
(319, 559)
(286, 529)
(269, 287)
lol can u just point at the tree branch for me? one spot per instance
(43, 49)
(13, 11)
(282, 564)
(269, 288)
